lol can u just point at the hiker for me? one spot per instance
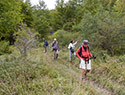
(71, 48)
(45, 45)
(55, 48)
(84, 55)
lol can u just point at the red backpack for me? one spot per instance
(80, 53)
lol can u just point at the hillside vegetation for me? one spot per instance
(26, 70)
(40, 74)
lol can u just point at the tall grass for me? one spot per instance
(107, 72)
(36, 75)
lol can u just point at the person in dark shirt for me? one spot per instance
(45, 45)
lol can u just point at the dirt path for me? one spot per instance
(67, 69)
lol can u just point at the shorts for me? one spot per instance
(86, 66)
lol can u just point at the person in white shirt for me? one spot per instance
(71, 48)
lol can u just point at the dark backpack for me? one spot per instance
(53, 44)
(72, 50)
(46, 43)
(80, 53)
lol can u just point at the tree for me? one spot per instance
(103, 28)
(10, 17)
(27, 14)
(26, 39)
(55, 20)
(41, 19)
(12, 14)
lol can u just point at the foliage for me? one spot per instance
(63, 37)
(55, 20)
(110, 74)
(12, 14)
(27, 14)
(10, 17)
(41, 21)
(101, 22)
(4, 47)
(103, 29)
(33, 77)
(68, 26)
(25, 40)
(107, 72)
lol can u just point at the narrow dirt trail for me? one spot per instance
(67, 69)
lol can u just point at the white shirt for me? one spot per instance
(72, 45)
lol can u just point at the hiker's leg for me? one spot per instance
(53, 52)
(56, 54)
(74, 55)
(48, 47)
(70, 56)
(82, 66)
(83, 73)
(45, 49)
(89, 66)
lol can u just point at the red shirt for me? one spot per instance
(84, 53)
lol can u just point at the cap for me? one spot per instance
(85, 42)
(54, 39)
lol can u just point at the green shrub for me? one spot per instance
(63, 37)
(67, 26)
(4, 47)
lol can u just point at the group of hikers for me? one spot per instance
(83, 53)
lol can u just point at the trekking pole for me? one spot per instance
(85, 68)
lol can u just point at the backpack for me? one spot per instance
(72, 50)
(46, 43)
(53, 44)
(80, 53)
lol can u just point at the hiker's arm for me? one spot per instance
(52, 44)
(77, 53)
(58, 46)
(75, 43)
(90, 54)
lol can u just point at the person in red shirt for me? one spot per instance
(83, 53)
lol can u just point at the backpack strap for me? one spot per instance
(88, 48)
(80, 53)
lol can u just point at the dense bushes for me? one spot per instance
(63, 37)
(103, 30)
(101, 22)
(4, 47)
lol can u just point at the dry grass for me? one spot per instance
(39, 74)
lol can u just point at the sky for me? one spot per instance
(50, 3)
